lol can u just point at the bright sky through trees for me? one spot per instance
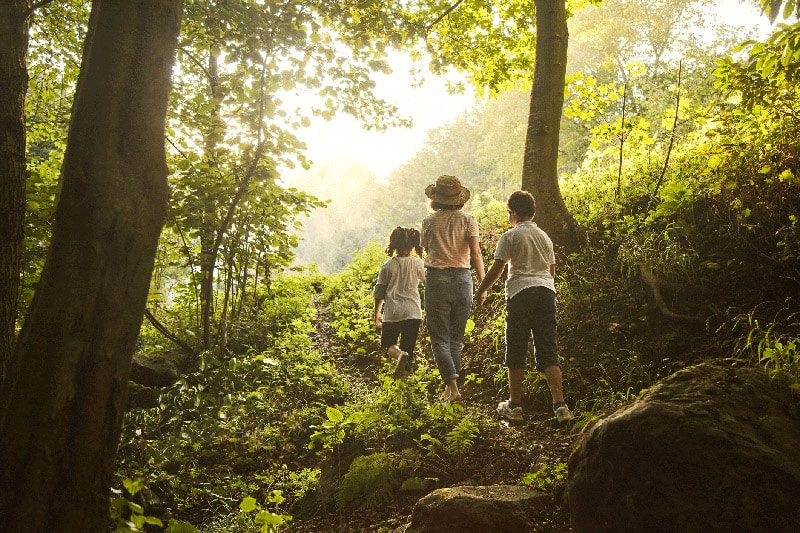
(430, 106)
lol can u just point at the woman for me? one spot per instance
(450, 238)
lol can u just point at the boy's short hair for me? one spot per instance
(522, 203)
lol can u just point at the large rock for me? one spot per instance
(715, 447)
(153, 372)
(498, 508)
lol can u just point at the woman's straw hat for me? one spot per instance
(448, 191)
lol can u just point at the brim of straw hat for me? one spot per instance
(446, 197)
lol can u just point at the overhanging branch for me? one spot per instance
(168, 334)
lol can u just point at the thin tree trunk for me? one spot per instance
(222, 334)
(168, 334)
(540, 161)
(671, 134)
(14, 25)
(622, 138)
(208, 255)
(61, 406)
(243, 278)
(213, 252)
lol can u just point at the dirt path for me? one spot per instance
(509, 451)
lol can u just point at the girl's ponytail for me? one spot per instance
(414, 239)
(403, 239)
(396, 239)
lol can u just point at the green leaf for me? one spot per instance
(265, 517)
(470, 326)
(177, 526)
(133, 486)
(248, 505)
(153, 520)
(334, 415)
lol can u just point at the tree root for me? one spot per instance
(656, 284)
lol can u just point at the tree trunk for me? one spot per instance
(61, 406)
(209, 256)
(540, 161)
(14, 25)
(208, 231)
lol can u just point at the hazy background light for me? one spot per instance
(345, 156)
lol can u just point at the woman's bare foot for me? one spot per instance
(451, 392)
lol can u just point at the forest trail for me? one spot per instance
(510, 450)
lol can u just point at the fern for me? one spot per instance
(461, 438)
(371, 478)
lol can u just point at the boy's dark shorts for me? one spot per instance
(406, 330)
(532, 313)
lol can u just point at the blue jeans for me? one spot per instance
(448, 302)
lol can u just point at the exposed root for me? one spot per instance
(656, 284)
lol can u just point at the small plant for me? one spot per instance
(548, 475)
(371, 478)
(128, 515)
(267, 521)
(334, 430)
(778, 354)
(460, 440)
(331, 432)
(775, 351)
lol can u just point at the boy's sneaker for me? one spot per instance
(401, 368)
(512, 413)
(563, 414)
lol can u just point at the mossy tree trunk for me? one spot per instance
(14, 25)
(540, 160)
(64, 397)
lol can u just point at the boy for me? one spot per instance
(530, 304)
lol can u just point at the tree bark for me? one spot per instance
(62, 403)
(540, 160)
(14, 25)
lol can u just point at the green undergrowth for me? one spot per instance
(268, 437)
(680, 264)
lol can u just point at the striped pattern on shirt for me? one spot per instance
(445, 236)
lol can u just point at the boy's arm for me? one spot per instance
(495, 271)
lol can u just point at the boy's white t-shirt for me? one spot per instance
(402, 277)
(529, 252)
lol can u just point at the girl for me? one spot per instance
(398, 312)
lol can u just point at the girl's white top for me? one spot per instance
(402, 277)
